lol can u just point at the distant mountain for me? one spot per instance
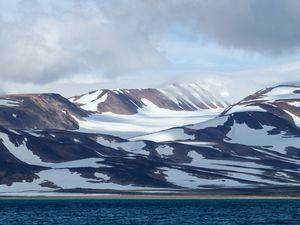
(176, 97)
(265, 107)
(125, 113)
(256, 139)
(131, 112)
(282, 101)
(252, 145)
(38, 111)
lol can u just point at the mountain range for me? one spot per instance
(178, 139)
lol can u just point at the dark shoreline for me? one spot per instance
(277, 192)
(149, 197)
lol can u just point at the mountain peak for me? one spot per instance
(38, 111)
(175, 97)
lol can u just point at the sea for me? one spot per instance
(146, 212)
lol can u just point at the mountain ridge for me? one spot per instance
(188, 97)
(38, 111)
(254, 144)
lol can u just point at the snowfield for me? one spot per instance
(145, 122)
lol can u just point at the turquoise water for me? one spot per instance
(146, 212)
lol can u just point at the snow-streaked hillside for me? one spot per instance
(131, 112)
(38, 111)
(252, 144)
(184, 97)
(48, 161)
(283, 101)
(262, 128)
(263, 107)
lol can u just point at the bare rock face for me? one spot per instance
(191, 97)
(38, 111)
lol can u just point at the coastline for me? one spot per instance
(149, 197)
(275, 192)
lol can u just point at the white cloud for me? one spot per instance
(50, 49)
(58, 45)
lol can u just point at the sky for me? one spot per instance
(75, 46)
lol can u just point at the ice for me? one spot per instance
(145, 122)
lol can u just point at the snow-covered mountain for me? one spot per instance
(176, 97)
(269, 106)
(39, 111)
(254, 144)
(257, 139)
(282, 101)
(131, 112)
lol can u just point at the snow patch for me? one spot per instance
(165, 150)
(21, 151)
(87, 98)
(281, 93)
(295, 104)
(135, 147)
(127, 126)
(9, 103)
(295, 118)
(76, 140)
(184, 179)
(242, 134)
(93, 105)
(102, 176)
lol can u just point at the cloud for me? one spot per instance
(46, 48)
(268, 26)
(49, 49)
(49, 41)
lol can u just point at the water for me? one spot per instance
(146, 212)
